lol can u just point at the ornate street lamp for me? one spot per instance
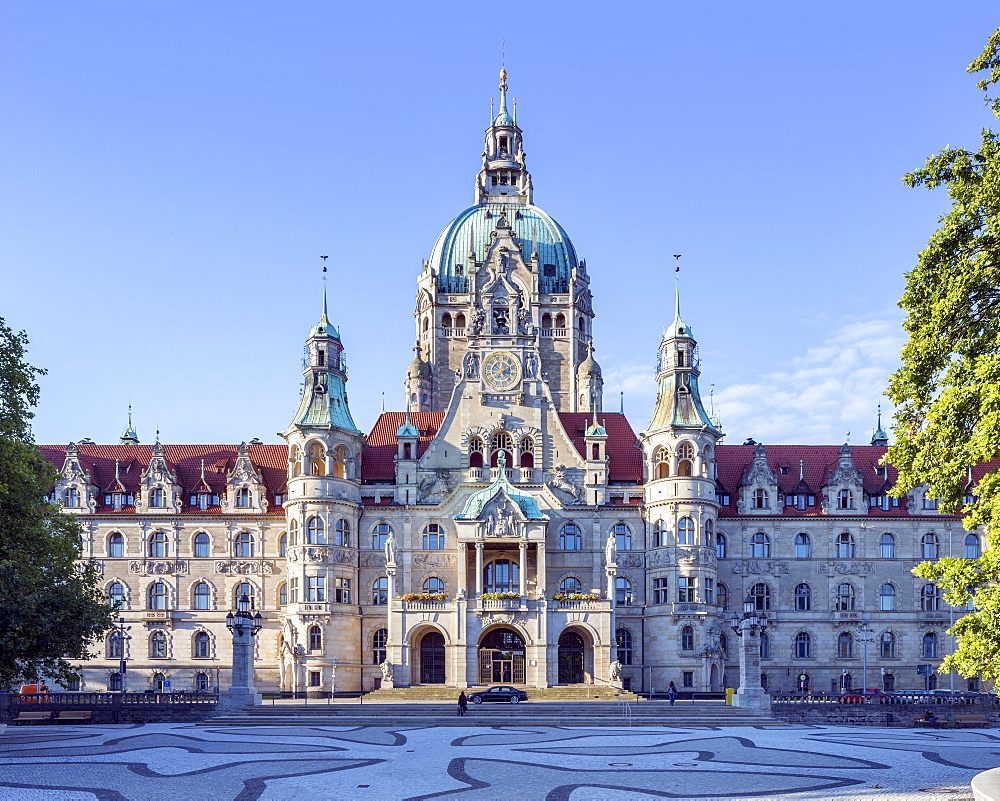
(748, 628)
(244, 625)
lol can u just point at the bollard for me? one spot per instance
(730, 692)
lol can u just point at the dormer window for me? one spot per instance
(71, 498)
(157, 499)
(845, 499)
(243, 498)
(119, 500)
(759, 499)
(203, 500)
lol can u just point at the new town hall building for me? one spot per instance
(505, 527)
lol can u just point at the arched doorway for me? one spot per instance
(571, 650)
(432, 658)
(501, 657)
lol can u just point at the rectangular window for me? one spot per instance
(930, 504)
(686, 589)
(315, 589)
(295, 590)
(660, 591)
(722, 499)
(342, 591)
(314, 678)
(709, 591)
(687, 678)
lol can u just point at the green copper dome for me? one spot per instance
(533, 228)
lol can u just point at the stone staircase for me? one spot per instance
(439, 692)
(528, 713)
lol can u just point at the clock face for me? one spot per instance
(501, 371)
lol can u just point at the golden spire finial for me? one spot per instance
(503, 75)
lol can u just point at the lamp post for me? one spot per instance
(864, 637)
(123, 637)
(748, 628)
(244, 626)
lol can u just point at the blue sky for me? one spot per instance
(172, 173)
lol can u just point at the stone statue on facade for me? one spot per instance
(390, 549)
(610, 550)
(616, 670)
(472, 365)
(562, 483)
(386, 668)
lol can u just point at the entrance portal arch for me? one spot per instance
(501, 657)
(572, 653)
(432, 658)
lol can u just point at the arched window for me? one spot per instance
(685, 451)
(459, 318)
(972, 548)
(340, 456)
(243, 498)
(570, 538)
(501, 575)
(202, 645)
(446, 320)
(709, 527)
(158, 545)
(929, 647)
(887, 546)
(247, 589)
(202, 596)
(685, 531)
(623, 591)
(527, 452)
(293, 532)
(687, 638)
(283, 545)
(570, 584)
(845, 545)
(476, 449)
(930, 547)
(433, 537)
(845, 645)
(294, 462)
(803, 645)
(724, 644)
(380, 638)
(887, 598)
(661, 463)
(765, 645)
(623, 537)
(315, 531)
(759, 499)
(930, 598)
(315, 638)
(761, 595)
(158, 679)
(201, 682)
(722, 596)
(803, 547)
(343, 533)
(316, 454)
(887, 645)
(158, 595)
(560, 320)
(71, 498)
(720, 546)
(116, 592)
(760, 546)
(501, 442)
(380, 534)
(158, 645)
(433, 585)
(659, 538)
(157, 499)
(623, 641)
(115, 682)
(845, 499)
(845, 598)
(244, 545)
(115, 645)
(283, 594)
(202, 545)
(116, 546)
(803, 598)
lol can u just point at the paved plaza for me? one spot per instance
(184, 761)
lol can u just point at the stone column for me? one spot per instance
(750, 694)
(242, 692)
(479, 569)
(522, 573)
(463, 570)
(540, 586)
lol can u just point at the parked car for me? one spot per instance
(860, 695)
(510, 695)
(912, 696)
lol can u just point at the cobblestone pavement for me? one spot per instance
(182, 761)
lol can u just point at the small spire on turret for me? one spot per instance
(879, 437)
(129, 436)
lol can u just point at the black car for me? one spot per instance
(509, 695)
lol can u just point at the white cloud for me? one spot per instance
(831, 389)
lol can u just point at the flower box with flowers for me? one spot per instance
(500, 596)
(426, 597)
(576, 596)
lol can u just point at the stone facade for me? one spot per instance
(504, 528)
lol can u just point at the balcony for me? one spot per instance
(425, 606)
(552, 332)
(453, 332)
(500, 605)
(593, 606)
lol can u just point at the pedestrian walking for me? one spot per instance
(463, 704)
(672, 693)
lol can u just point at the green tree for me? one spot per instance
(51, 608)
(947, 391)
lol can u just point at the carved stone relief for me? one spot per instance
(846, 568)
(757, 567)
(260, 567)
(148, 568)
(373, 560)
(434, 560)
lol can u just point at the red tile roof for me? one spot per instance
(623, 446)
(184, 460)
(378, 458)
